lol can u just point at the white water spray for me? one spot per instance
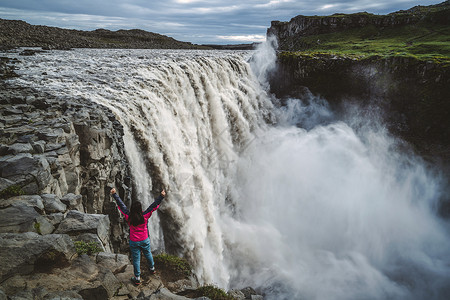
(309, 209)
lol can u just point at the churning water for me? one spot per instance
(289, 199)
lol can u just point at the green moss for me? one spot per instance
(87, 248)
(13, 190)
(213, 293)
(37, 227)
(210, 291)
(173, 263)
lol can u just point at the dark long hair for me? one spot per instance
(136, 218)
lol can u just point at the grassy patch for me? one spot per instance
(213, 293)
(423, 41)
(13, 190)
(37, 227)
(178, 266)
(210, 291)
(87, 248)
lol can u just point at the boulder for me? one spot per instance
(17, 218)
(31, 172)
(43, 226)
(104, 284)
(30, 252)
(52, 204)
(116, 263)
(73, 202)
(28, 200)
(77, 222)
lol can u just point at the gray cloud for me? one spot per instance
(197, 21)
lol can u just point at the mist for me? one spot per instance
(335, 207)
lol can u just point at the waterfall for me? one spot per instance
(289, 199)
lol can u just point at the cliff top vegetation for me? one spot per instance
(422, 32)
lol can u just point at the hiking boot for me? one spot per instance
(136, 281)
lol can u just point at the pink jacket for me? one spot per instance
(140, 232)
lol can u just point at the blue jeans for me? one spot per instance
(136, 248)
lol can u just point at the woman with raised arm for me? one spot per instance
(139, 239)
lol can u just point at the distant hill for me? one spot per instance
(421, 30)
(15, 33)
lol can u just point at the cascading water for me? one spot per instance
(309, 208)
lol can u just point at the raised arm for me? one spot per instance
(122, 207)
(154, 206)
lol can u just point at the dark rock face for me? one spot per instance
(69, 151)
(413, 95)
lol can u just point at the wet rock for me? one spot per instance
(249, 292)
(30, 52)
(236, 294)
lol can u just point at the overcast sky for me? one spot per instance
(196, 21)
